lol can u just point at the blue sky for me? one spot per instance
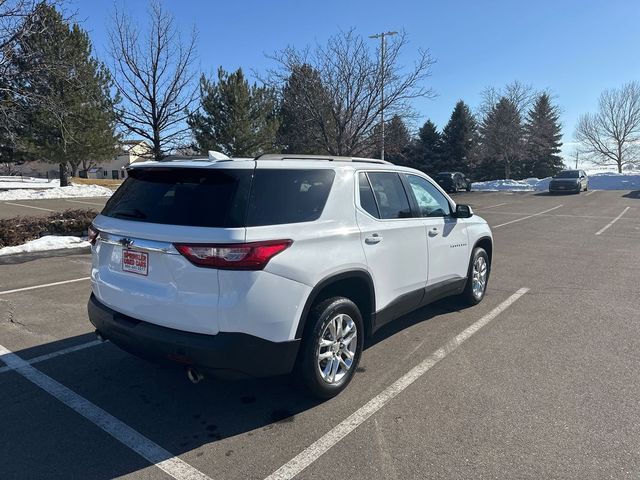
(573, 48)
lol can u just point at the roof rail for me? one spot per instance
(328, 158)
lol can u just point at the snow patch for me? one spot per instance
(55, 192)
(48, 242)
(629, 180)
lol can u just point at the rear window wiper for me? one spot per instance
(135, 213)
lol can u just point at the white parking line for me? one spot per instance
(29, 206)
(590, 193)
(344, 428)
(24, 289)
(612, 221)
(137, 442)
(57, 353)
(86, 203)
(524, 218)
(493, 206)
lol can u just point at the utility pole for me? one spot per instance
(382, 36)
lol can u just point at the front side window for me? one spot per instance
(390, 196)
(431, 202)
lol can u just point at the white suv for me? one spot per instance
(276, 264)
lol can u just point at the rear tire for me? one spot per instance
(477, 277)
(331, 347)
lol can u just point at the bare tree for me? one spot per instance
(520, 94)
(155, 77)
(612, 135)
(348, 100)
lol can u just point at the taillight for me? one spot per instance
(233, 256)
(93, 233)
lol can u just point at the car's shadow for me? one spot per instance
(163, 405)
(635, 194)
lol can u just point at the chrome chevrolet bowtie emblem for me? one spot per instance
(126, 242)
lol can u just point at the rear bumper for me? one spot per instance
(226, 354)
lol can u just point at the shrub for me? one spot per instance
(18, 230)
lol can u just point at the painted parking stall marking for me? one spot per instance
(137, 442)
(29, 206)
(57, 353)
(45, 285)
(604, 229)
(344, 428)
(86, 203)
(527, 217)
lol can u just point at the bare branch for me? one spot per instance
(612, 135)
(154, 74)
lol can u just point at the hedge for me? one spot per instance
(18, 230)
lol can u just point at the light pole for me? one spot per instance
(382, 36)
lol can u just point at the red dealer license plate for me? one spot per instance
(135, 262)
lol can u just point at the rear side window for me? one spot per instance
(288, 196)
(390, 196)
(367, 200)
(195, 197)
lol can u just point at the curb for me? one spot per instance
(15, 258)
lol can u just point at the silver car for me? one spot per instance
(569, 181)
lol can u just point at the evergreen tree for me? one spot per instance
(501, 138)
(459, 139)
(396, 141)
(70, 109)
(425, 152)
(542, 132)
(304, 129)
(235, 118)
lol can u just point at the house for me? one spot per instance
(130, 151)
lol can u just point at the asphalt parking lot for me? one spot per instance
(40, 208)
(541, 380)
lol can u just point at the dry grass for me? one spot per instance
(103, 182)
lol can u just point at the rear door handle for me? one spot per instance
(373, 239)
(434, 232)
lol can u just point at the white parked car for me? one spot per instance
(276, 264)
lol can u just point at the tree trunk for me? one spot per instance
(64, 179)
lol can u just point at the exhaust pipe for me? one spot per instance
(100, 337)
(194, 375)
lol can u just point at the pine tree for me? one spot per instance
(396, 141)
(501, 138)
(235, 118)
(459, 139)
(70, 108)
(305, 123)
(542, 132)
(425, 152)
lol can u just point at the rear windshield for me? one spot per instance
(221, 198)
(569, 174)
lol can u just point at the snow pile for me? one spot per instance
(48, 242)
(13, 182)
(526, 185)
(630, 180)
(56, 192)
(615, 181)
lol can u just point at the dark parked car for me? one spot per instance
(453, 181)
(569, 181)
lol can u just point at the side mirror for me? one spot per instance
(463, 211)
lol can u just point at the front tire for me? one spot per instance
(331, 347)
(477, 277)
